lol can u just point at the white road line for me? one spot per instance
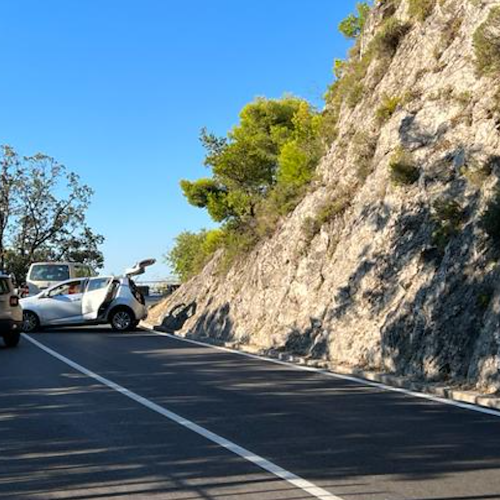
(339, 376)
(261, 462)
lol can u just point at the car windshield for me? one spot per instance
(49, 272)
(4, 287)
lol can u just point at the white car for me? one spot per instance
(96, 301)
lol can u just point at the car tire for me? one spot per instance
(12, 339)
(122, 320)
(31, 322)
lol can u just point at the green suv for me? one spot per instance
(11, 314)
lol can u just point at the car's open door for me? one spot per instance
(96, 294)
(139, 268)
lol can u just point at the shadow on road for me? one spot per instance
(61, 432)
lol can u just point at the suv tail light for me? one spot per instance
(14, 301)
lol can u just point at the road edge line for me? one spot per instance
(274, 469)
(340, 376)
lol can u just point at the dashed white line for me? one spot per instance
(276, 470)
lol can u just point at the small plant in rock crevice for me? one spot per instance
(403, 171)
(487, 44)
(477, 173)
(421, 9)
(364, 147)
(448, 217)
(387, 108)
(328, 212)
(387, 40)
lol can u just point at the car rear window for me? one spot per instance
(49, 272)
(4, 286)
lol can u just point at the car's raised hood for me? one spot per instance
(140, 267)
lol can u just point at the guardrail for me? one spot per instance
(158, 288)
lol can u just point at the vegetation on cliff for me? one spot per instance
(262, 169)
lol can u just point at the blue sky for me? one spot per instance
(118, 90)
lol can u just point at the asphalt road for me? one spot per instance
(200, 423)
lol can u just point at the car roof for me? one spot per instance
(82, 278)
(57, 263)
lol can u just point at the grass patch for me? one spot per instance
(328, 212)
(448, 218)
(421, 9)
(387, 40)
(350, 88)
(487, 44)
(476, 173)
(237, 244)
(356, 95)
(387, 108)
(364, 147)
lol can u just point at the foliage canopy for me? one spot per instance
(276, 143)
(352, 26)
(43, 214)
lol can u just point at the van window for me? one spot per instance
(49, 272)
(4, 286)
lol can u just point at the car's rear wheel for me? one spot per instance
(122, 320)
(12, 339)
(31, 323)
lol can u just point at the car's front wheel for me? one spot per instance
(31, 323)
(12, 339)
(122, 320)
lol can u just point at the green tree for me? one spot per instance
(352, 26)
(10, 175)
(272, 142)
(258, 173)
(339, 67)
(191, 251)
(301, 153)
(43, 207)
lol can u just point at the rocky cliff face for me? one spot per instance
(367, 273)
